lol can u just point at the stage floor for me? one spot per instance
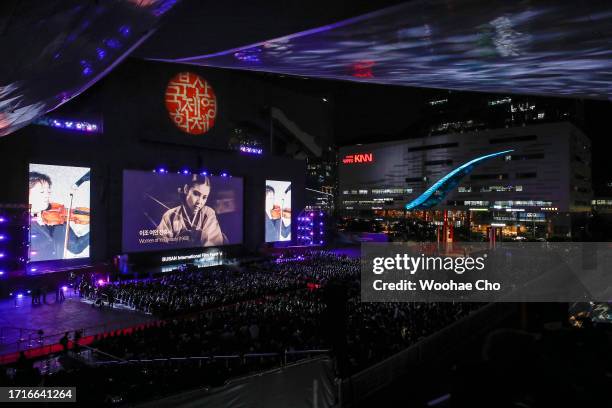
(20, 320)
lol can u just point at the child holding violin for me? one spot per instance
(278, 221)
(49, 222)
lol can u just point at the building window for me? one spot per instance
(530, 156)
(438, 162)
(525, 203)
(415, 179)
(499, 101)
(488, 189)
(580, 177)
(438, 102)
(432, 147)
(489, 176)
(391, 190)
(525, 138)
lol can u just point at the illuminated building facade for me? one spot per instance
(540, 184)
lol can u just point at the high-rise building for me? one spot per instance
(321, 180)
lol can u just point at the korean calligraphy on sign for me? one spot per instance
(191, 103)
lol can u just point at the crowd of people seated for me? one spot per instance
(184, 292)
(189, 291)
(264, 307)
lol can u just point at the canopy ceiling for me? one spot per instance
(529, 47)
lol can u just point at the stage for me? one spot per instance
(20, 321)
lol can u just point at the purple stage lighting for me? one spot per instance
(2, 219)
(2, 237)
(101, 53)
(204, 173)
(64, 288)
(251, 150)
(185, 171)
(19, 295)
(1, 273)
(112, 43)
(1, 254)
(125, 30)
(78, 125)
(87, 69)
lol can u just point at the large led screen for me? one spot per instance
(59, 209)
(278, 211)
(163, 211)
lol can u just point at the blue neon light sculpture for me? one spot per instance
(436, 193)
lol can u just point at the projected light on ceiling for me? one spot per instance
(67, 51)
(539, 47)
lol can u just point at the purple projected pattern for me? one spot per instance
(67, 52)
(76, 125)
(540, 47)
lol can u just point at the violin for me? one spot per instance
(287, 213)
(275, 214)
(57, 214)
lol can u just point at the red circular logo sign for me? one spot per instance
(191, 103)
